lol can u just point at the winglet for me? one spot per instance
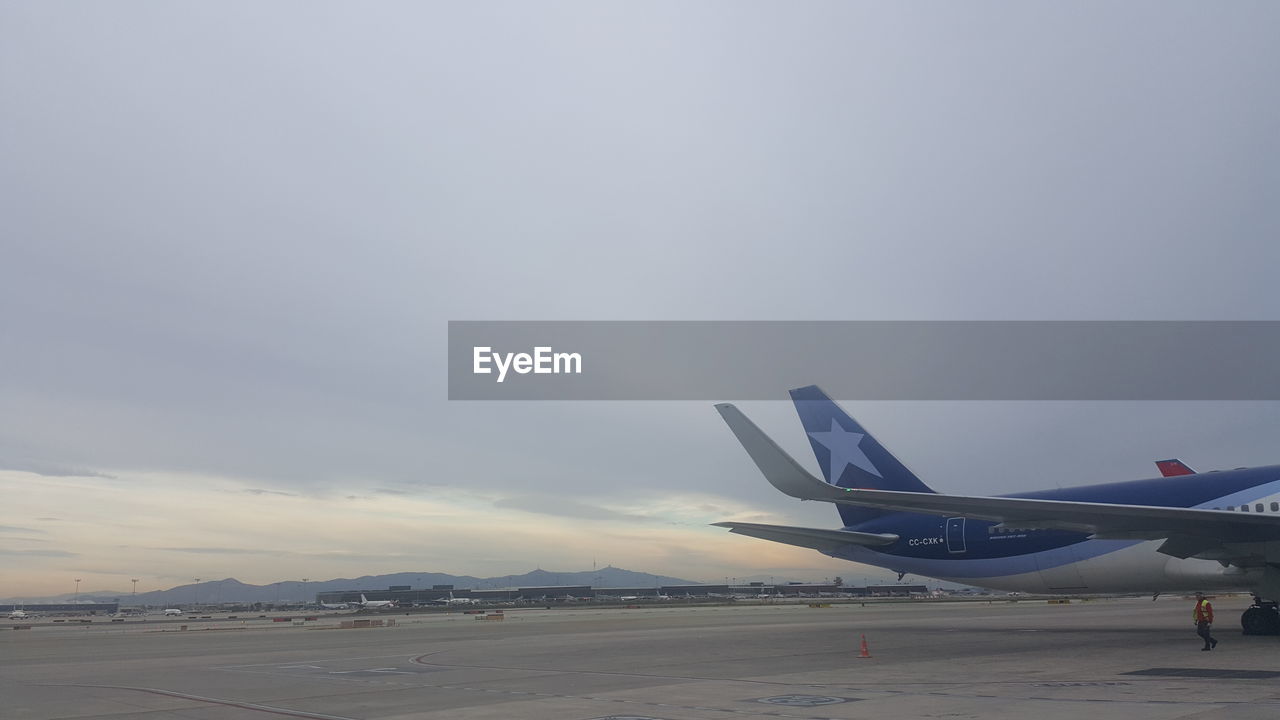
(779, 468)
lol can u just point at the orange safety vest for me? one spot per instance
(1203, 612)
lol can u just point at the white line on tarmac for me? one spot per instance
(219, 701)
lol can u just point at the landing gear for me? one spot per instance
(1262, 618)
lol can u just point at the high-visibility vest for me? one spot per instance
(1203, 612)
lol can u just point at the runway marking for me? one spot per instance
(1040, 698)
(1212, 673)
(318, 660)
(804, 700)
(613, 673)
(241, 704)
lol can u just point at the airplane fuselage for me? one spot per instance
(976, 552)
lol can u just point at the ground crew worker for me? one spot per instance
(1203, 615)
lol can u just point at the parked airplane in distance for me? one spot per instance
(1218, 531)
(172, 612)
(336, 606)
(18, 614)
(1174, 467)
(451, 600)
(368, 604)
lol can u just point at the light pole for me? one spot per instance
(195, 594)
(77, 590)
(134, 600)
(304, 591)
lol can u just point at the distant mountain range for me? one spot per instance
(232, 590)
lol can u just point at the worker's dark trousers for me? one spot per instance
(1202, 629)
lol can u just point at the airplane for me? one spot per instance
(18, 614)
(451, 600)
(173, 612)
(336, 606)
(1218, 532)
(375, 604)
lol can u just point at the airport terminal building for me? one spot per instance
(65, 608)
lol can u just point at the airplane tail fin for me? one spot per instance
(1174, 467)
(850, 456)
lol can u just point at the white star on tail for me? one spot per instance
(845, 451)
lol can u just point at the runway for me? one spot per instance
(1128, 658)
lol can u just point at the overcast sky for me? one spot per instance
(233, 233)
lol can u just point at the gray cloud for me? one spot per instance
(260, 491)
(840, 191)
(52, 469)
(564, 507)
(219, 550)
(38, 553)
(13, 528)
(316, 554)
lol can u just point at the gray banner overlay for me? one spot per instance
(857, 360)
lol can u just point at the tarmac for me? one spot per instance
(1027, 659)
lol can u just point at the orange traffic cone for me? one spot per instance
(865, 652)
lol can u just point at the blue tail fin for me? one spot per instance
(849, 456)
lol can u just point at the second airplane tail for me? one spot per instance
(850, 457)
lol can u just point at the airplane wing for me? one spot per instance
(822, 540)
(1103, 520)
(1236, 537)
